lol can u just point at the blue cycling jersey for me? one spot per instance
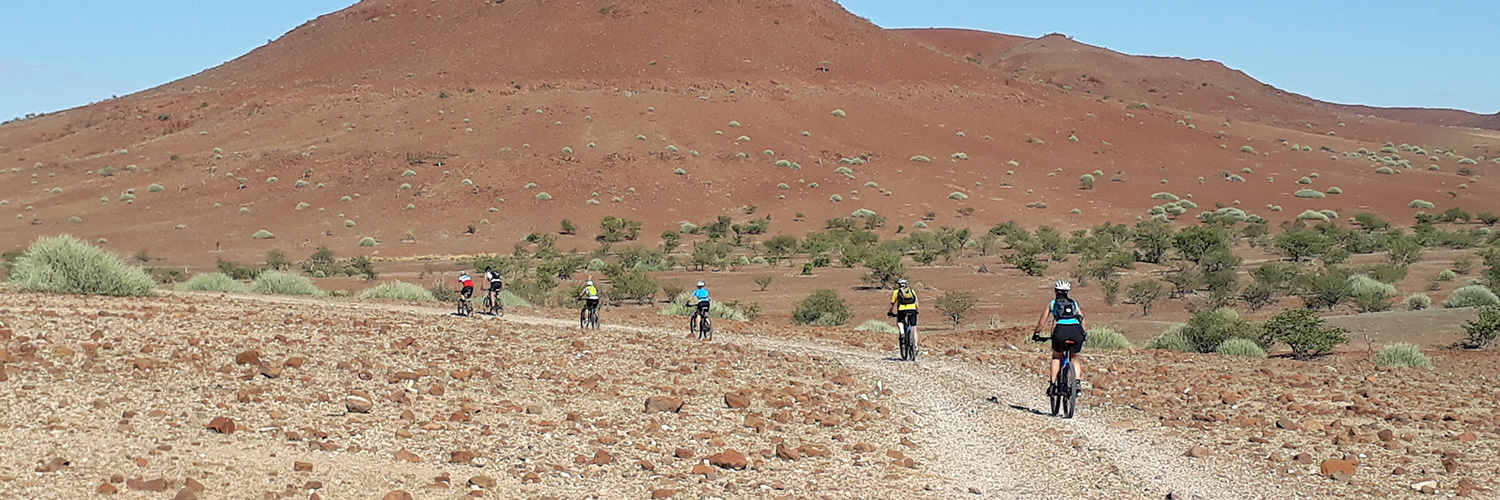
(1053, 307)
(701, 294)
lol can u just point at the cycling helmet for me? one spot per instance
(702, 284)
(901, 282)
(1063, 285)
(589, 282)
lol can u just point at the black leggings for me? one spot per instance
(1068, 338)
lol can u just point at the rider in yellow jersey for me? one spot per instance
(904, 306)
(590, 295)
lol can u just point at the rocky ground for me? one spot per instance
(204, 396)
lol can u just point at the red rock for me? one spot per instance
(406, 456)
(461, 457)
(602, 457)
(663, 493)
(736, 400)
(193, 485)
(221, 425)
(107, 489)
(531, 477)
(655, 404)
(54, 465)
(683, 453)
(358, 404)
(729, 459)
(813, 450)
(251, 357)
(785, 452)
(646, 465)
(270, 370)
(1341, 470)
(703, 470)
(1467, 437)
(302, 466)
(157, 485)
(485, 482)
(1199, 452)
(397, 495)
(185, 494)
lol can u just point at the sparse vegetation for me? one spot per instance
(1241, 347)
(283, 283)
(1481, 331)
(823, 308)
(398, 290)
(214, 282)
(1309, 193)
(262, 235)
(1420, 204)
(877, 326)
(65, 264)
(1106, 338)
(1471, 296)
(1402, 355)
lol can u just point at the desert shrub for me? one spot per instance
(283, 283)
(921, 159)
(1482, 331)
(64, 264)
(1309, 193)
(839, 113)
(1304, 180)
(1447, 275)
(1418, 302)
(1171, 340)
(1402, 355)
(720, 310)
(957, 196)
(1471, 296)
(262, 235)
(409, 173)
(1369, 294)
(1165, 196)
(1086, 181)
(1247, 149)
(877, 326)
(960, 156)
(1106, 338)
(1385, 170)
(155, 188)
(836, 198)
(1241, 347)
(368, 242)
(822, 308)
(1420, 204)
(1304, 332)
(214, 282)
(543, 197)
(1206, 330)
(1312, 215)
(398, 290)
(1335, 190)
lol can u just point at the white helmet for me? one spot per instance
(589, 282)
(1063, 285)
(702, 284)
(901, 282)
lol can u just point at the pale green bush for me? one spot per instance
(398, 290)
(64, 264)
(1106, 338)
(283, 283)
(1241, 347)
(214, 282)
(1402, 355)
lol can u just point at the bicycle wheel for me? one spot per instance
(594, 318)
(911, 343)
(1055, 395)
(707, 327)
(1069, 393)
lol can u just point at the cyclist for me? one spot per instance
(590, 295)
(1068, 332)
(700, 299)
(904, 307)
(467, 283)
(496, 281)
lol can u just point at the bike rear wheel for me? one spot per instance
(1069, 392)
(705, 329)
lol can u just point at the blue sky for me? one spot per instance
(59, 54)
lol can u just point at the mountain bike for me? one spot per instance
(699, 324)
(492, 303)
(589, 318)
(1064, 392)
(465, 307)
(907, 339)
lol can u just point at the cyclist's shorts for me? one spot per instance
(467, 292)
(591, 303)
(495, 285)
(1067, 338)
(908, 318)
(703, 307)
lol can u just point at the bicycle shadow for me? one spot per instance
(1018, 407)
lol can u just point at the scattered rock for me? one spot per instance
(397, 495)
(302, 466)
(221, 425)
(729, 459)
(663, 493)
(485, 482)
(1337, 469)
(107, 489)
(785, 452)
(358, 404)
(736, 400)
(406, 456)
(158, 485)
(251, 357)
(1199, 452)
(656, 404)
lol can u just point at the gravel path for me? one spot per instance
(986, 438)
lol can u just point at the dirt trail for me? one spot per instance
(986, 438)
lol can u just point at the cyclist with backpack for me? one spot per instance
(1068, 332)
(699, 300)
(590, 295)
(904, 307)
(496, 282)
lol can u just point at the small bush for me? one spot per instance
(214, 282)
(155, 188)
(1369, 294)
(1471, 296)
(957, 196)
(1247, 149)
(408, 173)
(1106, 338)
(877, 326)
(1171, 340)
(283, 283)
(1304, 180)
(836, 198)
(1420, 204)
(1308, 215)
(839, 113)
(543, 197)
(921, 159)
(1385, 170)
(1402, 355)
(262, 235)
(679, 172)
(368, 242)
(822, 308)
(64, 264)
(1165, 196)
(1335, 190)
(1482, 331)
(1310, 193)
(1241, 347)
(1418, 302)
(1304, 332)
(300, 183)
(398, 290)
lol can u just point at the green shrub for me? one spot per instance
(368, 242)
(839, 113)
(1171, 340)
(1304, 180)
(1165, 196)
(398, 290)
(1241, 347)
(1309, 215)
(466, 182)
(1247, 149)
(1335, 190)
(1482, 331)
(1420, 204)
(409, 173)
(214, 282)
(1471, 296)
(1086, 181)
(877, 326)
(1206, 330)
(155, 188)
(543, 197)
(1304, 332)
(64, 264)
(783, 163)
(271, 180)
(1309, 193)
(283, 283)
(1106, 338)
(720, 310)
(1418, 302)
(1385, 170)
(300, 183)
(836, 198)
(957, 196)
(1369, 294)
(921, 159)
(822, 308)
(1402, 355)
(262, 235)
